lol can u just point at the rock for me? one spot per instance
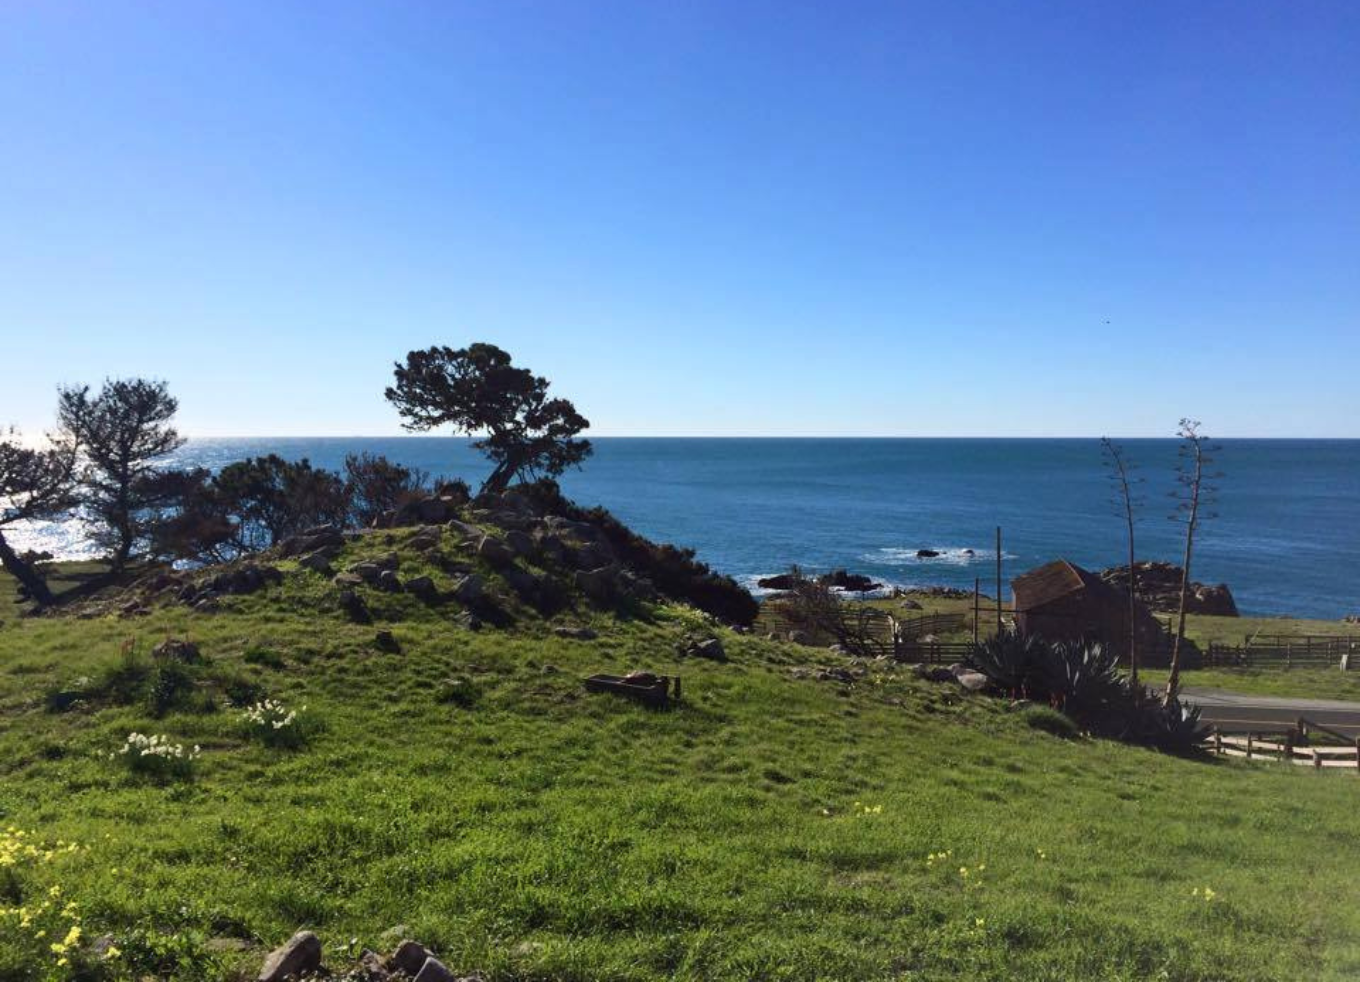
(347, 580)
(391, 561)
(354, 607)
(849, 582)
(389, 581)
(575, 633)
(520, 542)
(245, 579)
(933, 673)
(600, 585)
(367, 572)
(176, 649)
(972, 681)
(301, 955)
(836, 674)
(710, 648)
(371, 968)
(410, 957)
(910, 605)
(784, 581)
(1159, 584)
(323, 537)
(422, 511)
(551, 548)
(469, 589)
(523, 582)
(316, 562)
(427, 538)
(591, 555)
(464, 529)
(799, 637)
(495, 551)
(387, 641)
(422, 588)
(927, 553)
(434, 971)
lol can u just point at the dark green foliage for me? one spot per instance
(34, 483)
(267, 499)
(375, 485)
(1083, 682)
(478, 391)
(169, 686)
(121, 433)
(258, 654)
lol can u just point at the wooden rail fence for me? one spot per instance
(1293, 746)
(1284, 651)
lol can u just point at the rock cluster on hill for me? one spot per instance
(1159, 584)
(301, 958)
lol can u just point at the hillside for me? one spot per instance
(464, 789)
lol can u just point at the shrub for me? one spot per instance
(261, 655)
(1050, 721)
(275, 725)
(169, 685)
(41, 935)
(155, 756)
(1083, 681)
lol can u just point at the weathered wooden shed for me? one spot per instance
(1063, 602)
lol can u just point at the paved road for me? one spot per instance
(1233, 712)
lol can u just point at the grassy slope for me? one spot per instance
(547, 833)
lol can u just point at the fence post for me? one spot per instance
(1317, 760)
(1357, 754)
(1218, 742)
(1249, 737)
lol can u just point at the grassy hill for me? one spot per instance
(468, 792)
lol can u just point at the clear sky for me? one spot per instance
(951, 218)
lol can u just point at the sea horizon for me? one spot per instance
(753, 506)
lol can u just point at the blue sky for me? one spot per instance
(953, 218)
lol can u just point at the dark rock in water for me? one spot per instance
(300, 956)
(784, 581)
(851, 582)
(927, 553)
(1159, 586)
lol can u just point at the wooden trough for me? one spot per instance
(650, 690)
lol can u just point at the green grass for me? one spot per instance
(772, 827)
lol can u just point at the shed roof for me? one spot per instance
(1053, 581)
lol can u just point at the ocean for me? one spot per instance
(1286, 536)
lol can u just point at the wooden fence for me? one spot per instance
(888, 635)
(1293, 746)
(1284, 651)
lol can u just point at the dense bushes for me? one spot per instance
(1083, 682)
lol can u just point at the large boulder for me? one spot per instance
(422, 588)
(469, 589)
(323, 538)
(299, 957)
(245, 579)
(850, 582)
(354, 607)
(495, 551)
(1159, 586)
(600, 585)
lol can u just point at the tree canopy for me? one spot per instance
(477, 390)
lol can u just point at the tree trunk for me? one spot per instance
(1133, 607)
(25, 574)
(1173, 679)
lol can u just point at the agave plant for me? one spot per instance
(1177, 726)
(1084, 678)
(1010, 660)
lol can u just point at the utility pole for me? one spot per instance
(998, 581)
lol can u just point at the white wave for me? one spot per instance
(948, 556)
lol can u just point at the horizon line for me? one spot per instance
(749, 436)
